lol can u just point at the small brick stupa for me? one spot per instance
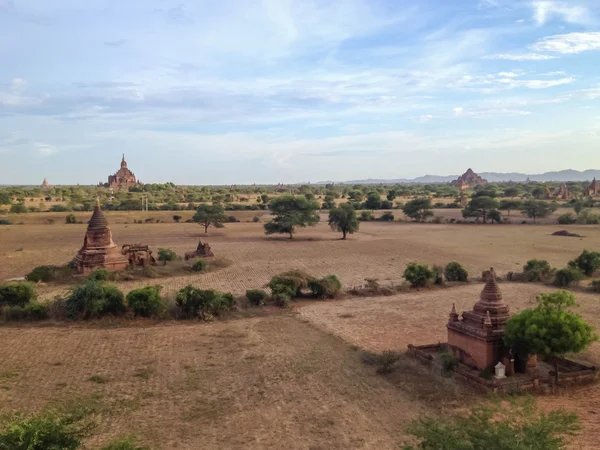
(477, 339)
(99, 251)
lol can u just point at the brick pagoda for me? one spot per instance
(592, 190)
(124, 178)
(99, 251)
(477, 339)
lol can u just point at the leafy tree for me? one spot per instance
(455, 272)
(291, 212)
(549, 329)
(343, 219)
(539, 192)
(329, 202)
(510, 205)
(356, 195)
(418, 209)
(486, 191)
(391, 195)
(535, 209)
(495, 426)
(5, 198)
(511, 192)
(166, 254)
(480, 207)
(18, 208)
(537, 270)
(207, 215)
(70, 219)
(418, 275)
(567, 276)
(588, 262)
(264, 198)
(146, 301)
(373, 201)
(177, 218)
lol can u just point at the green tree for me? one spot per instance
(511, 192)
(549, 329)
(535, 209)
(510, 205)
(290, 213)
(207, 215)
(166, 254)
(496, 426)
(373, 201)
(344, 220)
(5, 198)
(418, 209)
(539, 192)
(480, 207)
(391, 195)
(18, 208)
(355, 195)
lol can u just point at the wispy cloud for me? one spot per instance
(544, 11)
(521, 57)
(569, 43)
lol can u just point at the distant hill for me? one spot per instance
(493, 177)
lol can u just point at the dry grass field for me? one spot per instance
(279, 379)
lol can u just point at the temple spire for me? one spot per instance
(123, 162)
(453, 317)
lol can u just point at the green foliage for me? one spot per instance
(290, 213)
(449, 362)
(195, 302)
(588, 262)
(47, 274)
(146, 301)
(418, 275)
(537, 270)
(327, 287)
(538, 209)
(343, 219)
(176, 218)
(455, 272)
(207, 215)
(366, 216)
(567, 219)
(5, 222)
(281, 299)
(567, 277)
(94, 299)
(18, 208)
(549, 329)
(99, 275)
(595, 286)
(373, 201)
(166, 254)
(124, 443)
(35, 311)
(496, 426)
(48, 431)
(199, 266)
(418, 209)
(386, 362)
(481, 207)
(256, 297)
(387, 217)
(71, 219)
(290, 283)
(17, 293)
(586, 217)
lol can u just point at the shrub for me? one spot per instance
(93, 299)
(232, 219)
(387, 217)
(595, 286)
(35, 311)
(176, 218)
(587, 262)
(202, 303)
(256, 297)
(567, 219)
(5, 222)
(537, 270)
(47, 431)
(99, 275)
(199, 266)
(146, 301)
(437, 275)
(256, 219)
(281, 299)
(326, 287)
(17, 294)
(386, 361)
(166, 254)
(126, 443)
(290, 283)
(455, 272)
(449, 362)
(70, 219)
(366, 216)
(418, 275)
(567, 277)
(47, 274)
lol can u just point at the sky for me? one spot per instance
(268, 91)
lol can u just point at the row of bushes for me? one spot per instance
(420, 275)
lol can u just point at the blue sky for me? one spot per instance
(267, 91)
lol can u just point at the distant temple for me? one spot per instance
(467, 180)
(592, 190)
(98, 250)
(45, 184)
(124, 178)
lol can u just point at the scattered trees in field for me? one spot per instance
(535, 209)
(510, 205)
(207, 215)
(290, 213)
(343, 219)
(418, 209)
(549, 330)
(483, 207)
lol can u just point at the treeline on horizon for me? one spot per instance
(168, 196)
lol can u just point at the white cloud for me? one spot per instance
(488, 4)
(521, 57)
(18, 84)
(458, 111)
(569, 43)
(45, 149)
(543, 11)
(425, 118)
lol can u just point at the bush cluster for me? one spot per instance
(327, 287)
(166, 254)
(418, 275)
(47, 274)
(146, 301)
(17, 294)
(595, 286)
(588, 262)
(204, 304)
(290, 283)
(199, 266)
(455, 272)
(94, 299)
(567, 277)
(256, 297)
(537, 270)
